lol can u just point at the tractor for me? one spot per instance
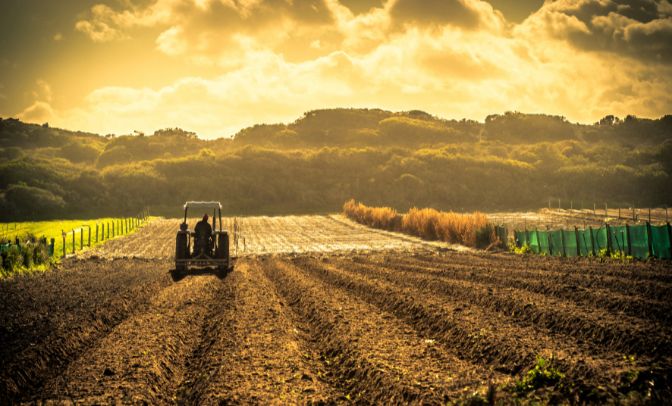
(202, 250)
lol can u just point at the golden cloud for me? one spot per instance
(280, 58)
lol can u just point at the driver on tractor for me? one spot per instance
(203, 237)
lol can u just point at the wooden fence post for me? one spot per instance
(81, 238)
(649, 238)
(627, 237)
(113, 229)
(592, 241)
(608, 239)
(562, 241)
(74, 244)
(89, 242)
(96, 240)
(578, 245)
(64, 252)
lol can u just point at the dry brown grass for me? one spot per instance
(472, 230)
(377, 217)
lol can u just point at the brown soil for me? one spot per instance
(312, 314)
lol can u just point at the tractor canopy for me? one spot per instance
(202, 205)
(216, 208)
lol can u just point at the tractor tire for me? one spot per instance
(222, 270)
(181, 251)
(222, 246)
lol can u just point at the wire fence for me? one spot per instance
(102, 231)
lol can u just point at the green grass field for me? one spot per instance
(54, 229)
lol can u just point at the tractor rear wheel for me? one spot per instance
(222, 253)
(181, 251)
(222, 246)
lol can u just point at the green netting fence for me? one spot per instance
(639, 241)
(661, 241)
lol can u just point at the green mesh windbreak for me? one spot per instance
(521, 238)
(600, 239)
(585, 246)
(556, 242)
(533, 241)
(619, 239)
(543, 242)
(570, 243)
(639, 242)
(633, 240)
(660, 241)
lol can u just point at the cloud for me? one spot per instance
(170, 42)
(637, 28)
(42, 91)
(470, 14)
(38, 112)
(275, 59)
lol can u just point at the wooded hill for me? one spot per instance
(511, 161)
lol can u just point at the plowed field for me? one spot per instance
(319, 309)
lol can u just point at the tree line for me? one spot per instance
(402, 160)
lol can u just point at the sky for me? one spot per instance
(217, 66)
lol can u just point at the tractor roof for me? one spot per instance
(202, 205)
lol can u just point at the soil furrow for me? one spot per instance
(554, 271)
(49, 320)
(143, 359)
(374, 357)
(475, 335)
(644, 271)
(620, 333)
(253, 353)
(632, 305)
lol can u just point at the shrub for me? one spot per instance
(24, 255)
(12, 259)
(543, 374)
(524, 249)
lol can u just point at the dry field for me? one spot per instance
(565, 218)
(320, 309)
